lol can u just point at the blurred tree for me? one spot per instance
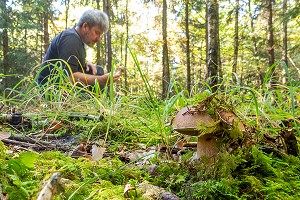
(5, 22)
(236, 40)
(107, 9)
(270, 31)
(213, 45)
(284, 39)
(188, 58)
(165, 54)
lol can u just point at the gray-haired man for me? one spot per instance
(70, 45)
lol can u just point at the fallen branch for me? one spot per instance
(51, 187)
(22, 144)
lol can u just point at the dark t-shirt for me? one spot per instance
(67, 46)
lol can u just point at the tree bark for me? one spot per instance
(126, 43)
(98, 45)
(252, 29)
(188, 59)
(165, 58)
(67, 5)
(212, 42)
(46, 30)
(236, 40)
(107, 7)
(270, 35)
(284, 40)
(5, 45)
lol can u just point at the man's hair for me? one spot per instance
(95, 18)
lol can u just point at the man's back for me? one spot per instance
(67, 46)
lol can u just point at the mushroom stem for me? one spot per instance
(206, 146)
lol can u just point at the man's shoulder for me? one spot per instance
(70, 32)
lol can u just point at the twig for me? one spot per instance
(93, 194)
(23, 144)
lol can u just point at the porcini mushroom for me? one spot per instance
(121, 69)
(189, 120)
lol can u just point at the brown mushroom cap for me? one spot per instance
(122, 69)
(188, 119)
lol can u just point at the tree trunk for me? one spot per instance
(166, 69)
(270, 35)
(236, 40)
(107, 8)
(252, 29)
(126, 43)
(212, 42)
(67, 5)
(46, 30)
(5, 43)
(284, 40)
(188, 59)
(5, 57)
(98, 45)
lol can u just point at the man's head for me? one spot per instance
(92, 25)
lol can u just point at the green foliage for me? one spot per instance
(2, 151)
(242, 172)
(212, 189)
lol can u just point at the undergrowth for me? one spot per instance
(245, 172)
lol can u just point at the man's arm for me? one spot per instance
(89, 79)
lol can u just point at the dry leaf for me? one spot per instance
(179, 145)
(4, 135)
(79, 151)
(127, 188)
(230, 118)
(54, 126)
(97, 152)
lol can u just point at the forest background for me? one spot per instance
(237, 56)
(168, 38)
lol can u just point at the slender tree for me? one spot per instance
(126, 43)
(284, 40)
(4, 26)
(46, 30)
(188, 58)
(252, 28)
(270, 34)
(67, 5)
(165, 56)
(107, 9)
(98, 45)
(212, 42)
(236, 39)
(254, 42)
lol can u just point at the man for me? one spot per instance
(70, 46)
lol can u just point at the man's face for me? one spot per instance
(91, 35)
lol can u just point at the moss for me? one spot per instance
(2, 151)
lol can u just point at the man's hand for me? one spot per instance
(118, 74)
(90, 66)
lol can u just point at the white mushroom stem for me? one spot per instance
(206, 146)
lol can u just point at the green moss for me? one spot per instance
(2, 151)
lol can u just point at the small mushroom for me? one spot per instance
(188, 120)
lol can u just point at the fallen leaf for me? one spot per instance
(54, 126)
(80, 151)
(230, 118)
(97, 152)
(127, 188)
(4, 135)
(179, 145)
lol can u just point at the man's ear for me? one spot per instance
(85, 26)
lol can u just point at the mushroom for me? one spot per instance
(121, 69)
(188, 120)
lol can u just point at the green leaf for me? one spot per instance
(28, 158)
